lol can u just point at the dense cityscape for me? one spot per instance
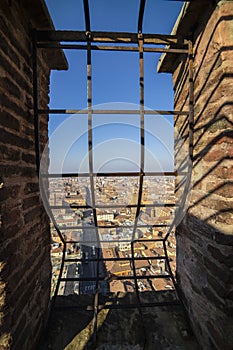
(115, 202)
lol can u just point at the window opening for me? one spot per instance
(79, 195)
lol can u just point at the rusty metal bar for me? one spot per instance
(87, 15)
(162, 257)
(121, 240)
(141, 14)
(90, 154)
(168, 205)
(142, 161)
(92, 185)
(111, 111)
(115, 277)
(120, 174)
(115, 206)
(109, 37)
(113, 242)
(111, 226)
(110, 48)
(191, 100)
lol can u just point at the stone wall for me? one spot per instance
(25, 268)
(205, 236)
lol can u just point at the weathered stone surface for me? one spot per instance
(163, 328)
(205, 237)
(25, 241)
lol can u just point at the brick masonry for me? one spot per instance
(25, 268)
(205, 236)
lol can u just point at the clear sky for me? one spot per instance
(115, 84)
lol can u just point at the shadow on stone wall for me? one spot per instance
(204, 261)
(204, 237)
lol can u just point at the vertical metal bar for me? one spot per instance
(191, 99)
(87, 15)
(141, 14)
(35, 100)
(142, 161)
(90, 152)
(142, 136)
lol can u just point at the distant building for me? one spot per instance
(105, 216)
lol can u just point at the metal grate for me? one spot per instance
(96, 41)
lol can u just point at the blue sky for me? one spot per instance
(115, 82)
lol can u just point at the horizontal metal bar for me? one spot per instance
(116, 241)
(107, 37)
(70, 206)
(110, 48)
(114, 277)
(111, 111)
(113, 226)
(118, 306)
(118, 174)
(116, 259)
(115, 206)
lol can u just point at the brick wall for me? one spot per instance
(205, 236)
(25, 268)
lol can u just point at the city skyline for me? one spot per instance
(71, 204)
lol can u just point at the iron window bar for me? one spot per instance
(112, 226)
(43, 36)
(110, 48)
(122, 241)
(113, 206)
(137, 258)
(87, 15)
(106, 227)
(140, 15)
(173, 44)
(142, 163)
(90, 156)
(116, 111)
(119, 174)
(76, 227)
(116, 277)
